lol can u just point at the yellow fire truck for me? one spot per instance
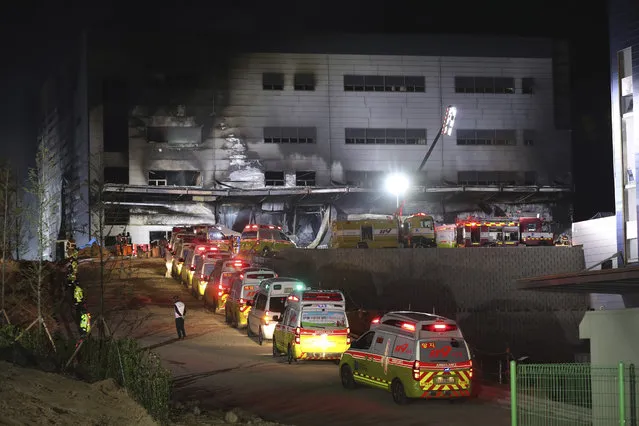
(365, 233)
(417, 230)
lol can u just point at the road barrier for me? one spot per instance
(573, 394)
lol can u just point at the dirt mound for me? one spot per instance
(30, 397)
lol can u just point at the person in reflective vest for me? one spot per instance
(78, 294)
(85, 323)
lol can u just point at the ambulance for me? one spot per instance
(194, 260)
(365, 233)
(269, 303)
(313, 326)
(229, 268)
(244, 287)
(205, 269)
(411, 355)
(263, 239)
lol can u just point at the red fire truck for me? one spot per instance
(535, 232)
(487, 232)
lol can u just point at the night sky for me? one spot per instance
(33, 35)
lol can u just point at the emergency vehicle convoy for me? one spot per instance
(411, 355)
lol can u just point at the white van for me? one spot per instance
(270, 302)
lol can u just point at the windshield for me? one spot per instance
(249, 235)
(444, 350)
(216, 235)
(320, 318)
(276, 304)
(208, 269)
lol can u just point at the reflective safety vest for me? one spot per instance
(78, 294)
(85, 322)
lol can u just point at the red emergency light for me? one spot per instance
(420, 214)
(322, 297)
(201, 248)
(292, 298)
(439, 327)
(375, 321)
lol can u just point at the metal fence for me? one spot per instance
(573, 394)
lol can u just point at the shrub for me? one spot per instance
(137, 370)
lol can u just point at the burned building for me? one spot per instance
(183, 130)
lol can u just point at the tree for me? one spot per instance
(44, 195)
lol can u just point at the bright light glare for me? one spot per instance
(397, 184)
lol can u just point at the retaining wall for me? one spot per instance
(475, 286)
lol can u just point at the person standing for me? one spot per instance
(180, 311)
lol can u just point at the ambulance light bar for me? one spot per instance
(439, 327)
(408, 326)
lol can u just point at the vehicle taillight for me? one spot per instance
(408, 326)
(242, 301)
(298, 331)
(202, 277)
(416, 372)
(375, 321)
(241, 276)
(267, 318)
(470, 370)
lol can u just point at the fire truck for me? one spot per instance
(488, 232)
(535, 232)
(416, 231)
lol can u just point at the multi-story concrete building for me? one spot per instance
(284, 127)
(624, 67)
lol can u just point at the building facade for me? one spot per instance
(624, 69)
(260, 133)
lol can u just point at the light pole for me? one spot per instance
(397, 184)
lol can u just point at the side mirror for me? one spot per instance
(192, 268)
(277, 318)
(249, 303)
(181, 260)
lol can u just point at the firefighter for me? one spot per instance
(78, 294)
(85, 323)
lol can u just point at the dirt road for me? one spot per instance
(222, 368)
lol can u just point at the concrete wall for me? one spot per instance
(598, 237)
(475, 286)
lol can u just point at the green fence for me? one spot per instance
(573, 395)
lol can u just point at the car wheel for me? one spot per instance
(289, 355)
(346, 374)
(276, 352)
(399, 395)
(260, 337)
(249, 333)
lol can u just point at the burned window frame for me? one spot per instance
(384, 83)
(385, 136)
